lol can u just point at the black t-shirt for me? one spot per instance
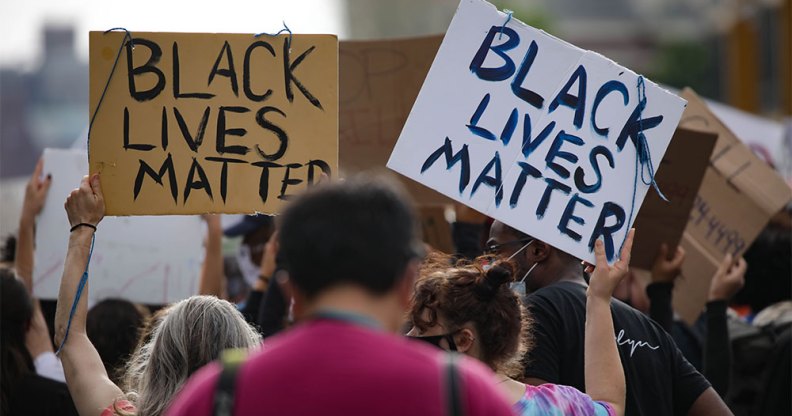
(659, 379)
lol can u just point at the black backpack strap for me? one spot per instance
(453, 385)
(231, 360)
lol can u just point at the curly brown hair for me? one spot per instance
(456, 293)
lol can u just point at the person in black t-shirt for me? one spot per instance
(659, 379)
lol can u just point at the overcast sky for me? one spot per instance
(21, 21)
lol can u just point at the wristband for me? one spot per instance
(83, 224)
(264, 278)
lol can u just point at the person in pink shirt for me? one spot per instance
(352, 255)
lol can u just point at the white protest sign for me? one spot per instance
(535, 132)
(153, 260)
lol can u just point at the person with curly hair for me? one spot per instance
(470, 308)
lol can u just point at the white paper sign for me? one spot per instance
(153, 260)
(534, 132)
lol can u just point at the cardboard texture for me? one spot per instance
(436, 229)
(152, 260)
(737, 198)
(534, 132)
(379, 81)
(224, 123)
(679, 178)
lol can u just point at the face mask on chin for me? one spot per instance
(519, 286)
(250, 271)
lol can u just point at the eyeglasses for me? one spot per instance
(435, 340)
(496, 248)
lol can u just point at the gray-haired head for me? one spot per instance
(192, 333)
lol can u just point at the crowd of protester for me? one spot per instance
(337, 306)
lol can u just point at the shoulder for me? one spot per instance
(559, 291)
(557, 300)
(551, 398)
(481, 395)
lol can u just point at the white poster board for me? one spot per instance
(534, 132)
(152, 260)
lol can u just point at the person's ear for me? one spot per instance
(464, 340)
(538, 251)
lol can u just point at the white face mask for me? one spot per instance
(519, 286)
(250, 271)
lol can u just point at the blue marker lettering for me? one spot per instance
(556, 152)
(491, 181)
(580, 183)
(462, 157)
(604, 90)
(563, 224)
(578, 103)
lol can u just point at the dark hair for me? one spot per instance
(113, 326)
(465, 292)
(8, 253)
(361, 231)
(17, 312)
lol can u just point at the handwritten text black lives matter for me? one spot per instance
(269, 145)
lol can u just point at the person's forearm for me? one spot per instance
(76, 260)
(86, 377)
(23, 262)
(212, 269)
(601, 355)
(717, 348)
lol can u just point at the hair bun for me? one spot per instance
(493, 278)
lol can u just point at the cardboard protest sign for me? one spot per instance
(196, 122)
(536, 132)
(153, 260)
(379, 81)
(679, 177)
(738, 196)
(436, 229)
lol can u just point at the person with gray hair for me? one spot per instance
(183, 338)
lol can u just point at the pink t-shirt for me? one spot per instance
(329, 367)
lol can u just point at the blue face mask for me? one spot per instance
(519, 286)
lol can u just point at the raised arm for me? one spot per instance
(89, 385)
(727, 281)
(37, 338)
(211, 282)
(35, 195)
(664, 272)
(601, 356)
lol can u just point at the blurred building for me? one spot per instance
(46, 107)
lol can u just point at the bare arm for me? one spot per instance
(664, 272)
(709, 403)
(268, 264)
(35, 195)
(601, 356)
(89, 385)
(212, 269)
(37, 338)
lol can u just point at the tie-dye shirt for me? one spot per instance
(554, 399)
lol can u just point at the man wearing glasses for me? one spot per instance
(660, 381)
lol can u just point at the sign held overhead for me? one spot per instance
(193, 123)
(553, 140)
